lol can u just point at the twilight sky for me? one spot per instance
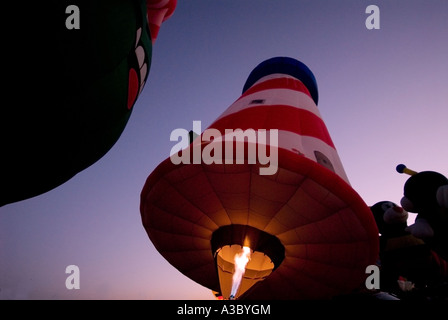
(382, 94)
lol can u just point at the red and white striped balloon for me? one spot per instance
(283, 102)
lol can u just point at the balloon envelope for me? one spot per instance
(306, 218)
(88, 85)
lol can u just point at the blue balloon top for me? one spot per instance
(287, 66)
(400, 168)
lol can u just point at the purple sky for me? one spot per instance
(382, 94)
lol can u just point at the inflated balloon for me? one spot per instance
(269, 186)
(95, 61)
(409, 268)
(425, 193)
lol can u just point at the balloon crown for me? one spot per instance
(401, 168)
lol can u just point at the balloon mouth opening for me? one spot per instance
(244, 256)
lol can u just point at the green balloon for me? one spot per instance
(84, 70)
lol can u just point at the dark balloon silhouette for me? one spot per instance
(83, 84)
(409, 268)
(426, 193)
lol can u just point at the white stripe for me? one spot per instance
(292, 98)
(274, 76)
(300, 145)
(307, 145)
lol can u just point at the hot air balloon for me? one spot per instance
(88, 79)
(301, 229)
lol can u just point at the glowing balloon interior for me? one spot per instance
(310, 234)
